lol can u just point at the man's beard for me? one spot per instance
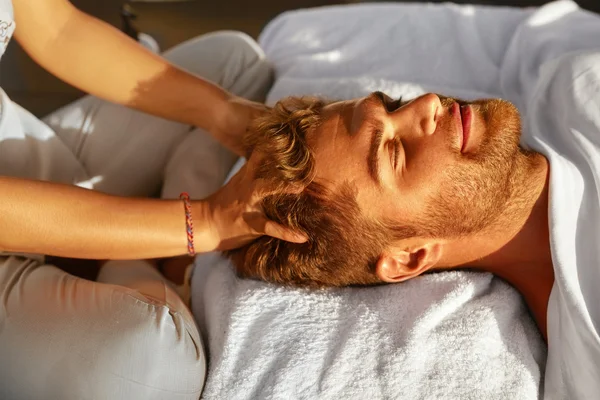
(477, 189)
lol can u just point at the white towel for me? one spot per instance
(453, 335)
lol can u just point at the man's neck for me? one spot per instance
(522, 237)
(518, 248)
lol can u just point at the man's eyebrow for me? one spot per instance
(376, 128)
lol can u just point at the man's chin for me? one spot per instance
(502, 122)
(499, 113)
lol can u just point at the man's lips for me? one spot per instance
(466, 114)
(463, 115)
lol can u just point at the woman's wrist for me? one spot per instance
(220, 111)
(232, 119)
(205, 237)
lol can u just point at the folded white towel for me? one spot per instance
(454, 335)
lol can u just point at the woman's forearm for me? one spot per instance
(97, 58)
(67, 221)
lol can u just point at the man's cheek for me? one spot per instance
(427, 171)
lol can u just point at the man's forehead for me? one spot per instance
(341, 156)
(342, 115)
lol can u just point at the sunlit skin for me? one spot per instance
(454, 170)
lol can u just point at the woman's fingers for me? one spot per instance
(264, 188)
(239, 217)
(263, 226)
(277, 231)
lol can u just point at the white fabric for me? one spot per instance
(404, 49)
(7, 24)
(566, 128)
(451, 335)
(439, 336)
(7, 28)
(552, 70)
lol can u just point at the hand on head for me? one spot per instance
(236, 215)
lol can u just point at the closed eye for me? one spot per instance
(396, 153)
(394, 150)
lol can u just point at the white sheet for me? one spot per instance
(570, 137)
(406, 49)
(564, 124)
(438, 336)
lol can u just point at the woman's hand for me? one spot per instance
(231, 125)
(234, 217)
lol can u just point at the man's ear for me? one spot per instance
(398, 265)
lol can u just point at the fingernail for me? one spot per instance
(301, 238)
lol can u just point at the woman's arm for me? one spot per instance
(97, 58)
(68, 221)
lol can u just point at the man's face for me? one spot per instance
(435, 163)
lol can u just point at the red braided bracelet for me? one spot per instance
(189, 223)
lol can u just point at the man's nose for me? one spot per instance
(421, 113)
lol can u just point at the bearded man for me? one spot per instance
(393, 189)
